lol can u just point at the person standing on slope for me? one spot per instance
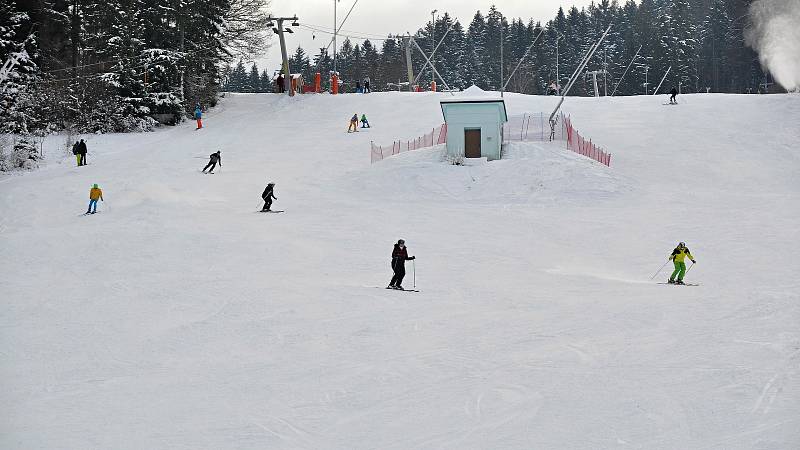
(366, 85)
(399, 258)
(268, 196)
(94, 194)
(678, 257)
(198, 116)
(672, 94)
(214, 158)
(75, 152)
(353, 124)
(82, 152)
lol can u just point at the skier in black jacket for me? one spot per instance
(214, 158)
(82, 152)
(75, 152)
(267, 196)
(672, 94)
(399, 258)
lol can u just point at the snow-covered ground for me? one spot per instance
(179, 317)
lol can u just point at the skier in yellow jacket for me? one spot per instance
(94, 194)
(678, 257)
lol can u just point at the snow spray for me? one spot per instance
(774, 32)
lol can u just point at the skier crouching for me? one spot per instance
(353, 127)
(268, 196)
(364, 121)
(678, 256)
(214, 159)
(399, 258)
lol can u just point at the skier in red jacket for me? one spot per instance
(399, 258)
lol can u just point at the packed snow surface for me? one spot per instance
(179, 317)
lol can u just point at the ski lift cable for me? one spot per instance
(428, 61)
(522, 59)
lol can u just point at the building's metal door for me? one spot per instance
(472, 143)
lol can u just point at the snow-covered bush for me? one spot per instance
(20, 155)
(454, 160)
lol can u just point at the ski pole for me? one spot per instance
(659, 270)
(414, 271)
(690, 267)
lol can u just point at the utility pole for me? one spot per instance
(433, 38)
(501, 58)
(558, 82)
(605, 72)
(409, 66)
(279, 30)
(334, 38)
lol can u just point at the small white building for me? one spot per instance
(474, 124)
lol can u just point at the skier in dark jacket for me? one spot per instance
(672, 94)
(212, 162)
(399, 258)
(82, 152)
(75, 152)
(267, 196)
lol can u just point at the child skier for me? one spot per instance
(364, 121)
(353, 124)
(214, 158)
(678, 256)
(94, 194)
(672, 94)
(399, 258)
(267, 196)
(198, 116)
(358, 87)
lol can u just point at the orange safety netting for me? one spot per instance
(437, 136)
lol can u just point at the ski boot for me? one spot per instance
(670, 281)
(679, 282)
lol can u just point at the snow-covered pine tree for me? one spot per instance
(16, 43)
(477, 73)
(679, 44)
(371, 61)
(715, 32)
(266, 82)
(253, 80)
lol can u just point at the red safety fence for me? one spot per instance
(437, 136)
(578, 144)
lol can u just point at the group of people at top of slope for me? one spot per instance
(365, 89)
(79, 150)
(353, 127)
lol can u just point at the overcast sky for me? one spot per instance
(381, 17)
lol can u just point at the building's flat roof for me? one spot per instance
(456, 100)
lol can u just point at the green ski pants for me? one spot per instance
(680, 271)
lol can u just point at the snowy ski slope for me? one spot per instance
(179, 318)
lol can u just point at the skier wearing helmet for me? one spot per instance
(94, 194)
(677, 257)
(399, 258)
(267, 196)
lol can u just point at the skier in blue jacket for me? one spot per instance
(198, 116)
